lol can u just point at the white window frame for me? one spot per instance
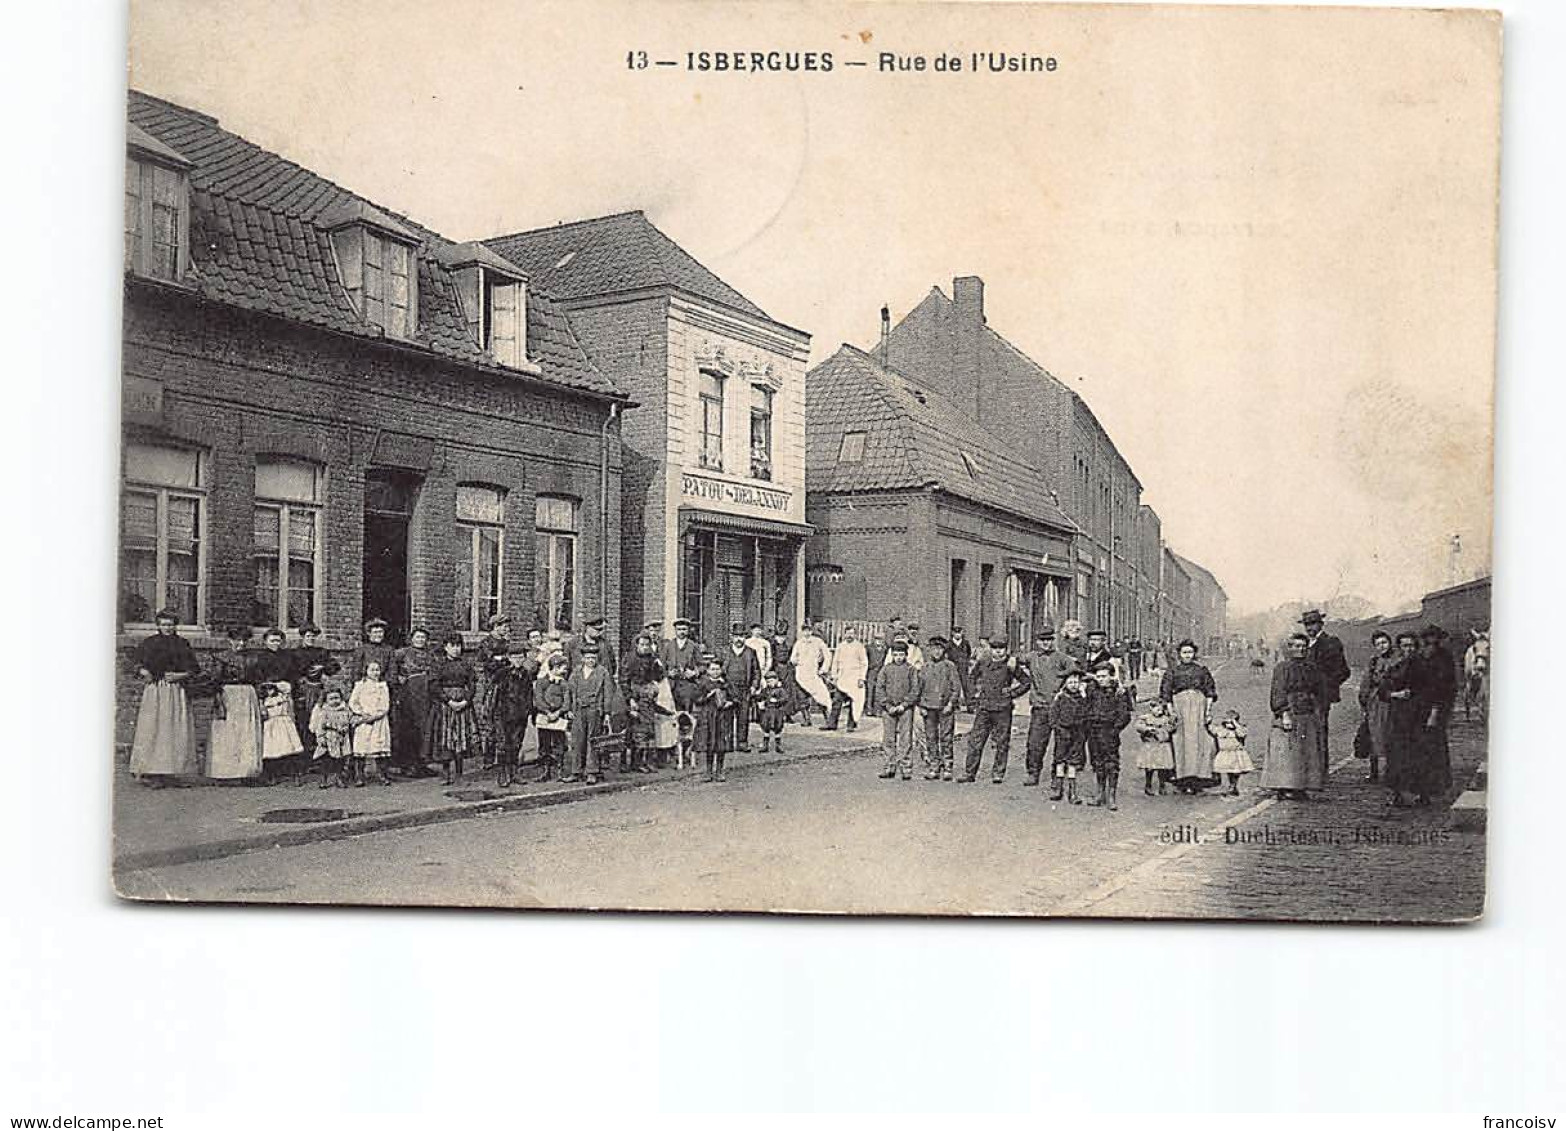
(550, 536)
(472, 528)
(142, 172)
(164, 493)
(349, 244)
(491, 281)
(766, 398)
(703, 457)
(284, 507)
(858, 455)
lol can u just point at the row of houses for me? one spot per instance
(331, 412)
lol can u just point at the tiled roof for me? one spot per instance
(612, 254)
(1200, 573)
(259, 240)
(913, 438)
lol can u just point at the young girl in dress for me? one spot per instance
(1155, 759)
(273, 670)
(370, 703)
(774, 711)
(331, 722)
(549, 713)
(714, 734)
(454, 732)
(1231, 759)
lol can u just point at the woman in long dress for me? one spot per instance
(811, 659)
(1432, 681)
(165, 742)
(1296, 745)
(1374, 702)
(1188, 690)
(234, 743)
(1403, 721)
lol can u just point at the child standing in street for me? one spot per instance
(1231, 760)
(1108, 713)
(588, 695)
(714, 729)
(370, 702)
(513, 707)
(897, 690)
(1068, 719)
(454, 732)
(1155, 758)
(940, 692)
(774, 711)
(331, 722)
(549, 715)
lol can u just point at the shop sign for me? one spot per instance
(703, 489)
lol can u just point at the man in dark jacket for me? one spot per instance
(1047, 670)
(741, 679)
(996, 683)
(1326, 652)
(960, 653)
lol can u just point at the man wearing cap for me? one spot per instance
(741, 680)
(996, 683)
(960, 653)
(681, 659)
(1098, 651)
(1047, 671)
(593, 633)
(1326, 652)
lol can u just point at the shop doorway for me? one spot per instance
(388, 514)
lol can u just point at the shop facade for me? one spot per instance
(713, 506)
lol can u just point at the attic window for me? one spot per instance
(157, 218)
(853, 448)
(967, 462)
(380, 274)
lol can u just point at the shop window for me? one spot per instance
(852, 449)
(162, 534)
(711, 421)
(287, 543)
(479, 554)
(760, 433)
(554, 562)
(157, 219)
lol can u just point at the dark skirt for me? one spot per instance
(411, 721)
(714, 731)
(773, 718)
(453, 732)
(1069, 748)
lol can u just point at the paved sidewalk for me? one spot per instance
(208, 820)
(1348, 856)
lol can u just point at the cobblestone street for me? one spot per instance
(826, 835)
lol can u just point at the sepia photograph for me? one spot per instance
(819, 458)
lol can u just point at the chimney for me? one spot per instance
(886, 331)
(968, 296)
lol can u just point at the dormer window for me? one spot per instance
(375, 259)
(157, 208)
(493, 292)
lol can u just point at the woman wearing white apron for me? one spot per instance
(234, 743)
(165, 741)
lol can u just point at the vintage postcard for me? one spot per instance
(853, 458)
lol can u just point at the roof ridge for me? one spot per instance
(175, 106)
(585, 220)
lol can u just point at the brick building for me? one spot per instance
(946, 345)
(714, 479)
(919, 512)
(330, 412)
(1175, 613)
(1209, 606)
(1145, 624)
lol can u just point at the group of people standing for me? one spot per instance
(1406, 697)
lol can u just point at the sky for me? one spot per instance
(1259, 242)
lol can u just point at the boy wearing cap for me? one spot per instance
(589, 703)
(513, 705)
(897, 690)
(1047, 671)
(1108, 713)
(996, 684)
(940, 690)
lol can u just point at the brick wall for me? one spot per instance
(241, 386)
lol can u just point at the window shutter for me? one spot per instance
(503, 322)
(348, 243)
(469, 293)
